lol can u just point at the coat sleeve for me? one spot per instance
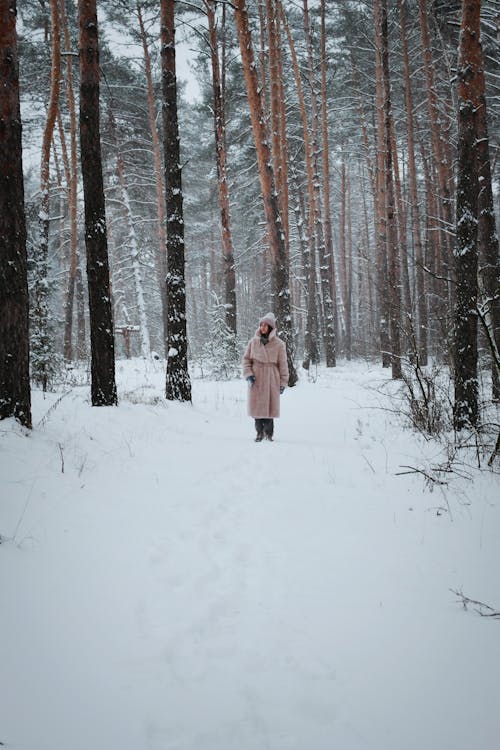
(247, 361)
(283, 365)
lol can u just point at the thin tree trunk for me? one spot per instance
(421, 306)
(466, 406)
(132, 242)
(394, 270)
(103, 386)
(444, 226)
(343, 260)
(81, 345)
(178, 384)
(331, 358)
(285, 198)
(43, 349)
(489, 256)
(311, 352)
(73, 187)
(328, 330)
(381, 201)
(15, 395)
(161, 253)
(279, 260)
(222, 177)
(406, 297)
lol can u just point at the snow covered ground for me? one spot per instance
(168, 584)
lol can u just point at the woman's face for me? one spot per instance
(264, 328)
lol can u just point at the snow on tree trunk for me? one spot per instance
(328, 327)
(161, 254)
(489, 256)
(222, 179)
(15, 397)
(103, 386)
(73, 187)
(178, 384)
(42, 336)
(466, 406)
(133, 245)
(331, 359)
(380, 202)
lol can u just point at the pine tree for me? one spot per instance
(15, 399)
(466, 406)
(178, 384)
(103, 386)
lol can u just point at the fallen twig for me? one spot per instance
(479, 606)
(416, 470)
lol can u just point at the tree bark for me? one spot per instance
(328, 259)
(178, 384)
(328, 328)
(133, 244)
(15, 395)
(421, 302)
(466, 406)
(394, 268)
(161, 254)
(443, 245)
(42, 339)
(489, 256)
(380, 202)
(72, 191)
(103, 386)
(222, 177)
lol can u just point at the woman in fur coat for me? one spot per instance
(265, 369)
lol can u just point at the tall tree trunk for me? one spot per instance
(401, 231)
(279, 260)
(421, 304)
(161, 254)
(466, 406)
(380, 202)
(81, 343)
(328, 329)
(178, 383)
(443, 245)
(42, 338)
(132, 242)
(15, 396)
(103, 386)
(344, 261)
(394, 269)
(73, 187)
(489, 256)
(331, 351)
(285, 197)
(222, 177)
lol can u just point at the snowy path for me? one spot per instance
(180, 587)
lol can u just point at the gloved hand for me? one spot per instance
(251, 380)
(282, 389)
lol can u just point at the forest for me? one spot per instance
(339, 166)
(173, 173)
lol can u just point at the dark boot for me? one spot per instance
(269, 429)
(260, 429)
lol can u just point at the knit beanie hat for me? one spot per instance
(269, 319)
